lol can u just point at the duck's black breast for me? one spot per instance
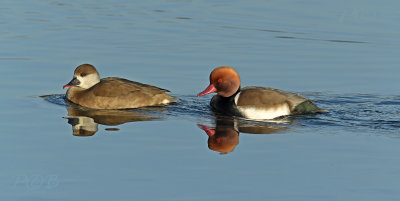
(225, 105)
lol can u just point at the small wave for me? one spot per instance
(58, 99)
(359, 112)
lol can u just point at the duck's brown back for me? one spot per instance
(268, 97)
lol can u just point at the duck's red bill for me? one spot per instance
(210, 89)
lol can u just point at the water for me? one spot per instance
(342, 54)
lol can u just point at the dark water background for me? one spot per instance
(342, 54)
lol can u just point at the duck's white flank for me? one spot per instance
(271, 113)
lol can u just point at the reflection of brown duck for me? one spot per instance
(85, 121)
(225, 136)
(82, 126)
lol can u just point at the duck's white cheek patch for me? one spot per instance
(271, 113)
(88, 81)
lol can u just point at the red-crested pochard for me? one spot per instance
(253, 102)
(88, 90)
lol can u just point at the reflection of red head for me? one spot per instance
(221, 139)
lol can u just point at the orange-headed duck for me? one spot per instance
(88, 90)
(253, 102)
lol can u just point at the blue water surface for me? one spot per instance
(344, 55)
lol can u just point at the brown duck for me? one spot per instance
(253, 102)
(88, 90)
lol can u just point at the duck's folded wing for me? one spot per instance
(265, 97)
(115, 87)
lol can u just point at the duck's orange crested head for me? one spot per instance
(224, 80)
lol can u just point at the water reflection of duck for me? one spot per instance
(85, 121)
(82, 126)
(225, 136)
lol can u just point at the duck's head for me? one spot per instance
(224, 80)
(85, 76)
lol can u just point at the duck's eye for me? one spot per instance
(83, 74)
(219, 80)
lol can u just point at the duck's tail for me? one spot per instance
(308, 107)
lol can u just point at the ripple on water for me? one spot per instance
(58, 99)
(358, 112)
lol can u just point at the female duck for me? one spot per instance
(253, 102)
(88, 90)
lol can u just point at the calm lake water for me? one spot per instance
(342, 54)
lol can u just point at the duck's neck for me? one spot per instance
(233, 96)
(238, 91)
(74, 93)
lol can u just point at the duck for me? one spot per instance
(88, 90)
(253, 102)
